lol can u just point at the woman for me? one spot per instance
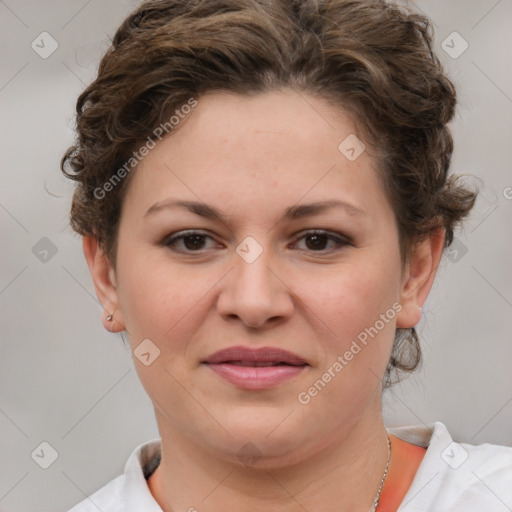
(264, 199)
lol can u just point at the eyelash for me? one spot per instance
(341, 241)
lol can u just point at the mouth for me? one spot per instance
(264, 356)
(258, 364)
(254, 369)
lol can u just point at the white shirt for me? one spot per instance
(452, 477)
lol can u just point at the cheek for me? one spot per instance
(162, 303)
(160, 300)
(357, 310)
(352, 298)
(355, 313)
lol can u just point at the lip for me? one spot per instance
(261, 368)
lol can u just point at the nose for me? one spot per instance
(255, 292)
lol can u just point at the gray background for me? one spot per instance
(66, 381)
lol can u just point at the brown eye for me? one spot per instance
(318, 241)
(191, 241)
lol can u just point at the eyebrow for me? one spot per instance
(292, 213)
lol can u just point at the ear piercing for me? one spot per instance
(109, 318)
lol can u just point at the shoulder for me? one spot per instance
(128, 492)
(477, 476)
(457, 476)
(106, 499)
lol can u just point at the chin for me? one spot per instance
(265, 454)
(262, 438)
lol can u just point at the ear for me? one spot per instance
(104, 278)
(418, 277)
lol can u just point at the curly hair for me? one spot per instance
(372, 58)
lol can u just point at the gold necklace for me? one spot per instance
(377, 497)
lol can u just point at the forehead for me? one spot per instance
(257, 151)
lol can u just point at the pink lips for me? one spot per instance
(261, 368)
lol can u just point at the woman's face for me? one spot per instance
(255, 276)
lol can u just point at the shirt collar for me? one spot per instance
(430, 474)
(435, 437)
(135, 489)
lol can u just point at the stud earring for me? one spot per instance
(109, 318)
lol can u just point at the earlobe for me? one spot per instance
(104, 279)
(419, 277)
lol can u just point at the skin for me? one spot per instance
(251, 158)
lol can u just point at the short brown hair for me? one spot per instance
(371, 58)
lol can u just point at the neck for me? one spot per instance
(344, 475)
